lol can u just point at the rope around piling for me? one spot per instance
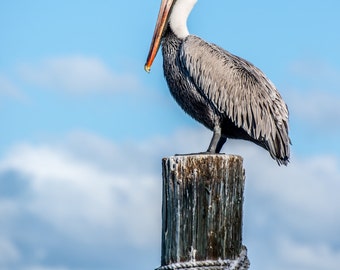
(241, 263)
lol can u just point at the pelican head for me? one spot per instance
(174, 12)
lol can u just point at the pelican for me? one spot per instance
(224, 92)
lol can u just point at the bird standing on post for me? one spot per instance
(224, 92)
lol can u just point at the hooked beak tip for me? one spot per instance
(147, 68)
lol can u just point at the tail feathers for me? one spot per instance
(279, 148)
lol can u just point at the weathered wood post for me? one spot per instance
(202, 213)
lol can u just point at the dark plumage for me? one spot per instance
(225, 93)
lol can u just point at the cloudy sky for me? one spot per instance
(83, 130)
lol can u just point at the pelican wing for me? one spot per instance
(238, 90)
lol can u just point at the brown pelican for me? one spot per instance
(224, 92)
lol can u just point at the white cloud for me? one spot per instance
(303, 181)
(88, 186)
(76, 74)
(300, 256)
(78, 198)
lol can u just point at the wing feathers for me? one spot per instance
(238, 90)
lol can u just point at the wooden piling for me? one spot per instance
(202, 213)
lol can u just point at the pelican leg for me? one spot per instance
(217, 141)
(220, 144)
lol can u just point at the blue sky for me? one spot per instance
(83, 130)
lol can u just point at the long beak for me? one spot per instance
(162, 20)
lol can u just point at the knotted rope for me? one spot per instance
(240, 263)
